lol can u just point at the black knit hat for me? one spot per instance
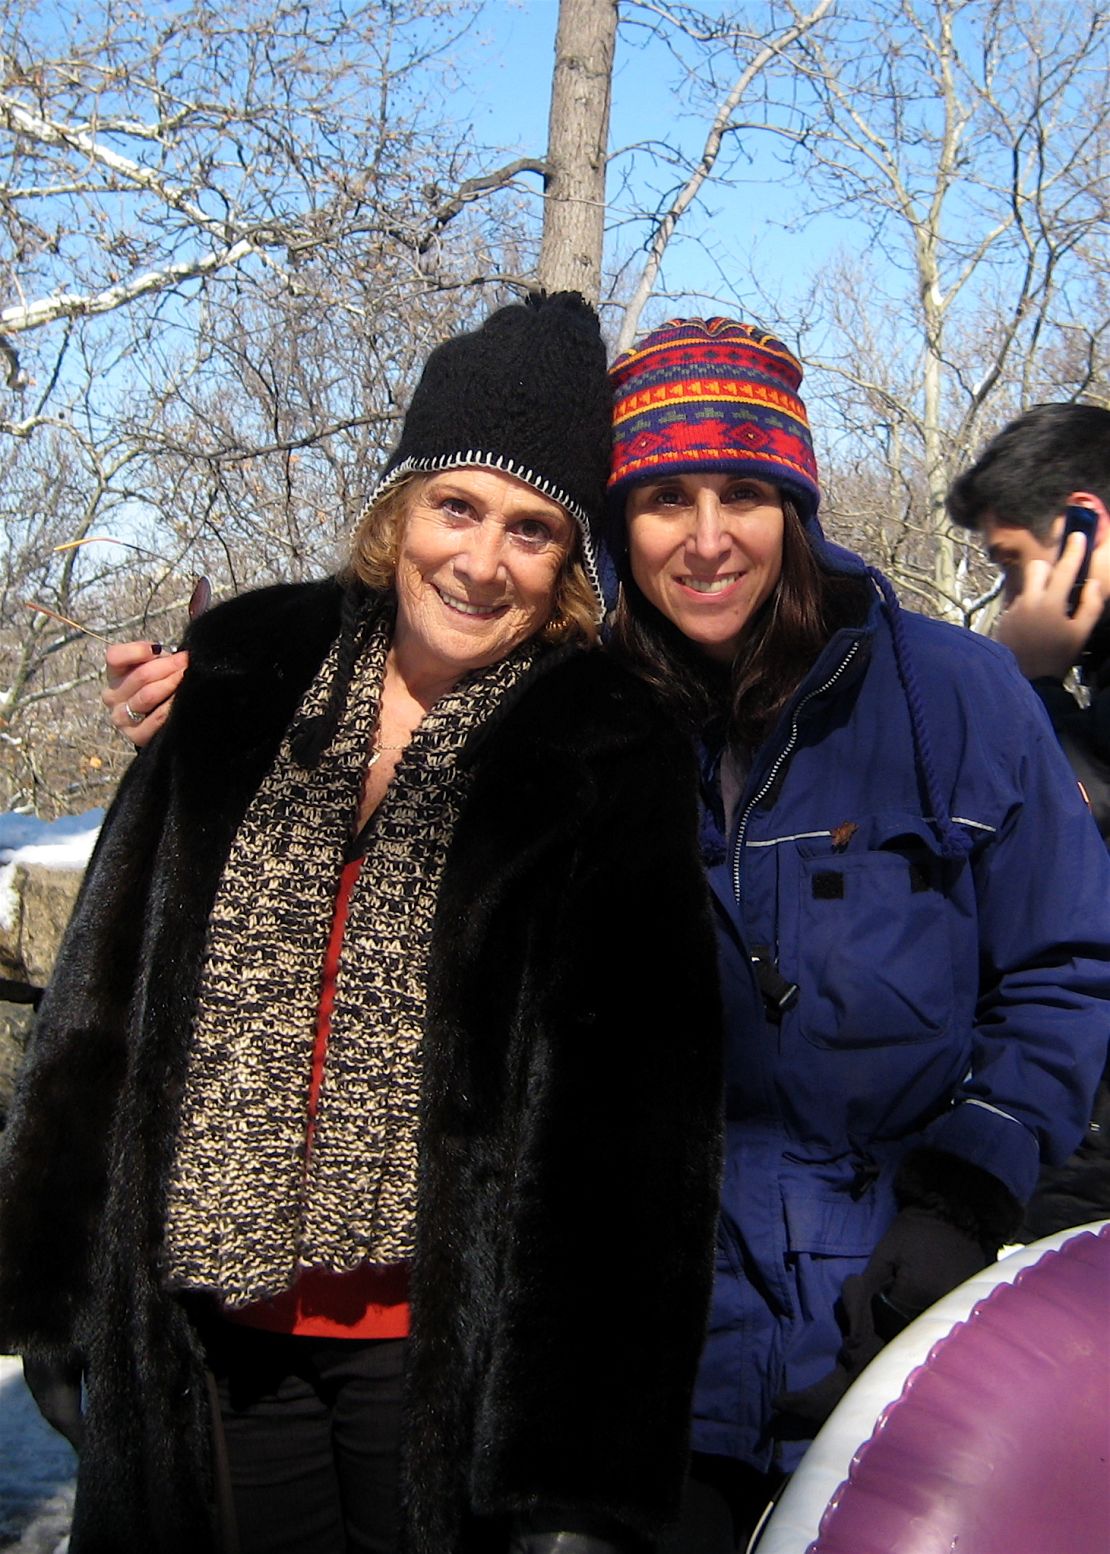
(525, 393)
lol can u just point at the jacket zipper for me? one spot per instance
(780, 760)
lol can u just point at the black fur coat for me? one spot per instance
(570, 1131)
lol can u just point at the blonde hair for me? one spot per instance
(376, 546)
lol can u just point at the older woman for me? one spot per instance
(384, 1037)
(912, 903)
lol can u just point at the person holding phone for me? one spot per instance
(1039, 495)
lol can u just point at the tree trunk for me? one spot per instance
(577, 146)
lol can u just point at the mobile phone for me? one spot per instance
(199, 601)
(1079, 520)
(201, 596)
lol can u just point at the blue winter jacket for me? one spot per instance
(912, 854)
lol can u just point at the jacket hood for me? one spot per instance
(885, 612)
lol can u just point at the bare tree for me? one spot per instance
(757, 46)
(230, 232)
(248, 464)
(578, 147)
(972, 150)
(962, 145)
(153, 151)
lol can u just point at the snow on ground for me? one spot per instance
(37, 1468)
(53, 844)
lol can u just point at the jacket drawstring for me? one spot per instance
(954, 843)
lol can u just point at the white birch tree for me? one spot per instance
(968, 140)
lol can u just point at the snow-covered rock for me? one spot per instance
(47, 851)
(41, 866)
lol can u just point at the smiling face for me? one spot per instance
(477, 566)
(706, 551)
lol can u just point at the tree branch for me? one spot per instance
(472, 189)
(47, 310)
(719, 127)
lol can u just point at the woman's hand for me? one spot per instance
(142, 679)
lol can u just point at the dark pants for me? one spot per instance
(721, 1506)
(311, 1428)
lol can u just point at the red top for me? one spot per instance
(372, 1300)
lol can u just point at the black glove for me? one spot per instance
(55, 1386)
(954, 1219)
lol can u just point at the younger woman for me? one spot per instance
(912, 903)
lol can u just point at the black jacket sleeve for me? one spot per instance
(574, 1071)
(55, 1150)
(1084, 735)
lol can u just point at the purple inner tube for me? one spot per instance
(999, 1442)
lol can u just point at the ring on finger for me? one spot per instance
(136, 717)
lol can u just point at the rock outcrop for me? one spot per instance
(38, 903)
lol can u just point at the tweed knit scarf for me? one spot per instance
(248, 1203)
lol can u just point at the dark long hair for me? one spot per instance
(780, 643)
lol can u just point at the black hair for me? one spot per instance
(1025, 475)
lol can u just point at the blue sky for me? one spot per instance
(729, 234)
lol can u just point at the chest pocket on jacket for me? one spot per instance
(872, 950)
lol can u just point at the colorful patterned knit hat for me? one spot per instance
(713, 395)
